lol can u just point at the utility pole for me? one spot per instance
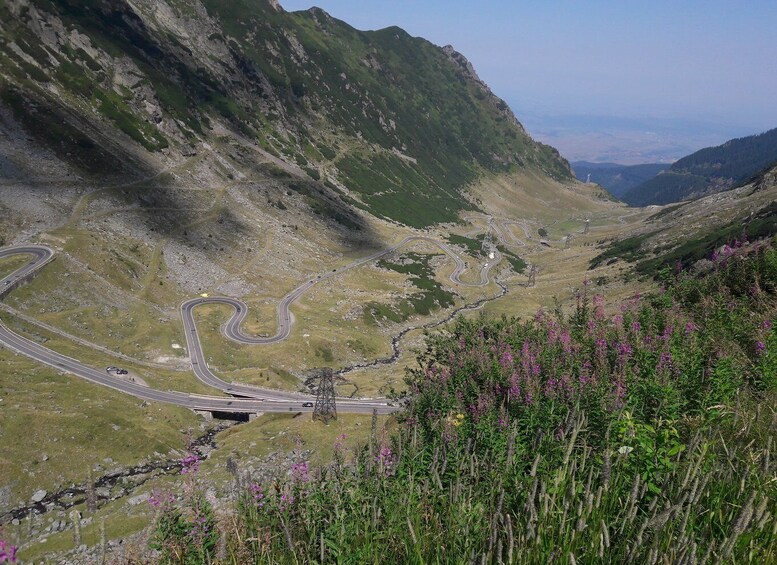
(587, 225)
(568, 239)
(533, 275)
(325, 409)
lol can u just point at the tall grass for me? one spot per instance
(643, 437)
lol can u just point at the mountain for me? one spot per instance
(709, 170)
(380, 122)
(617, 179)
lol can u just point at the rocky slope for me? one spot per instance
(375, 121)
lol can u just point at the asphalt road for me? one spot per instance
(252, 399)
(284, 319)
(280, 402)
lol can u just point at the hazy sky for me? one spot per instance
(709, 60)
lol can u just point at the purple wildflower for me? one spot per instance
(190, 464)
(287, 501)
(199, 527)
(598, 302)
(665, 361)
(690, 328)
(161, 499)
(620, 393)
(767, 325)
(299, 472)
(339, 444)
(585, 373)
(258, 491)
(551, 388)
(506, 359)
(760, 347)
(625, 351)
(515, 386)
(385, 460)
(7, 552)
(566, 341)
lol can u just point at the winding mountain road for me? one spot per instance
(251, 399)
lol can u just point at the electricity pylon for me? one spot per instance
(325, 409)
(533, 275)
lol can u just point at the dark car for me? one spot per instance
(121, 371)
(307, 404)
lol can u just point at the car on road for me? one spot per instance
(121, 371)
(307, 404)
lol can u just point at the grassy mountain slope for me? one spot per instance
(617, 179)
(577, 436)
(398, 125)
(708, 171)
(689, 235)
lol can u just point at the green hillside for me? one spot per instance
(709, 170)
(617, 179)
(400, 124)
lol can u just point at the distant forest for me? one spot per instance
(617, 179)
(708, 170)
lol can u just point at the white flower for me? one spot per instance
(625, 450)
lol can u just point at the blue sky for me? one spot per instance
(713, 61)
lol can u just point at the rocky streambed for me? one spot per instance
(396, 351)
(109, 486)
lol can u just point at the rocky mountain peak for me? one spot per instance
(464, 64)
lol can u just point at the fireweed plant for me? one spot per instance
(185, 532)
(7, 552)
(644, 435)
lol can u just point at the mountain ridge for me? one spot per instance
(709, 170)
(340, 104)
